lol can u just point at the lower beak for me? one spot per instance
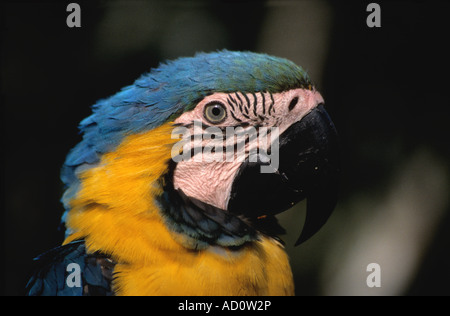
(309, 167)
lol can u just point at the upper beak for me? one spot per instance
(309, 167)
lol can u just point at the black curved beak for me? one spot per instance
(309, 167)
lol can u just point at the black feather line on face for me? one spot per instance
(263, 103)
(239, 103)
(230, 103)
(255, 103)
(234, 117)
(238, 97)
(232, 99)
(271, 105)
(247, 100)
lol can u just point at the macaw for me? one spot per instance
(140, 222)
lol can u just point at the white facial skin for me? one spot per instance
(211, 182)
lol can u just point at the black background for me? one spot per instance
(386, 90)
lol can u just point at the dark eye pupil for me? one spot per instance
(216, 111)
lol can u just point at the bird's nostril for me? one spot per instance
(293, 103)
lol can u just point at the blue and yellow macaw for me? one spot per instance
(140, 222)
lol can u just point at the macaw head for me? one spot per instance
(219, 143)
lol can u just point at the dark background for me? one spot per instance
(385, 88)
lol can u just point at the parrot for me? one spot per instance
(149, 212)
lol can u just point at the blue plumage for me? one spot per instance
(50, 280)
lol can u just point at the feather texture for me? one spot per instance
(169, 90)
(114, 193)
(51, 277)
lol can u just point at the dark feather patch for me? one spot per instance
(50, 278)
(207, 225)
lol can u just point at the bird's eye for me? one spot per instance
(215, 112)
